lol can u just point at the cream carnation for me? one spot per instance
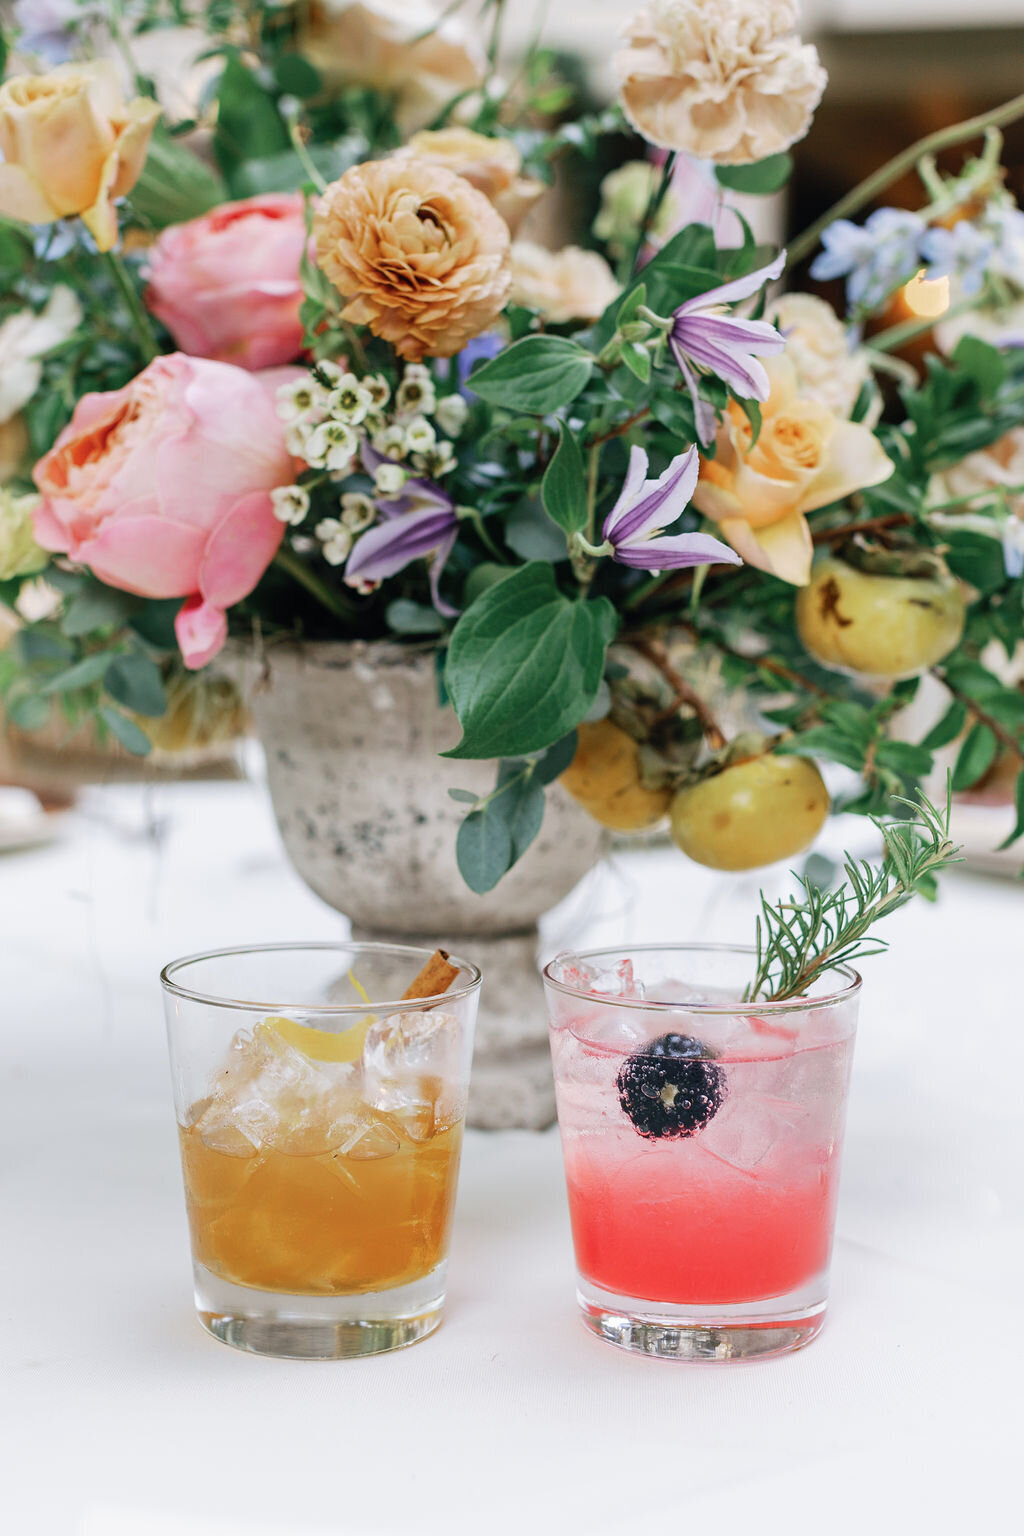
(419, 253)
(725, 80)
(571, 284)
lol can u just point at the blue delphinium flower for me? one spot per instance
(875, 257)
(963, 252)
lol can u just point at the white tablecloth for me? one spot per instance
(120, 1417)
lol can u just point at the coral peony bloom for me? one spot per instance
(492, 165)
(227, 286)
(725, 80)
(406, 48)
(70, 144)
(163, 488)
(419, 253)
(571, 284)
(804, 458)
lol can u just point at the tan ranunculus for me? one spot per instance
(804, 458)
(419, 253)
(492, 165)
(725, 80)
(828, 369)
(71, 144)
(571, 284)
(399, 46)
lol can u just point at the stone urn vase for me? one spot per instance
(352, 731)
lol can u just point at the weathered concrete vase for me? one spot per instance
(352, 732)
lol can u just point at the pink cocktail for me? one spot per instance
(701, 1139)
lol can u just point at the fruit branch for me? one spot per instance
(899, 165)
(1007, 740)
(621, 429)
(869, 525)
(655, 653)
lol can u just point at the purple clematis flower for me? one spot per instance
(634, 525)
(420, 522)
(706, 339)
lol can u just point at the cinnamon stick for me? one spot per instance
(435, 977)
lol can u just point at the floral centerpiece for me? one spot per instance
(275, 353)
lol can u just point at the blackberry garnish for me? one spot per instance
(670, 1088)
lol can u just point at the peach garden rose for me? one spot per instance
(227, 286)
(70, 144)
(162, 488)
(418, 252)
(805, 457)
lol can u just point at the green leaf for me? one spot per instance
(563, 489)
(630, 304)
(1018, 829)
(127, 732)
(525, 664)
(976, 756)
(286, 171)
(464, 796)
(531, 534)
(82, 675)
(155, 622)
(95, 606)
(986, 365)
(409, 618)
(904, 758)
(296, 76)
(34, 643)
(249, 126)
(483, 848)
(175, 184)
(753, 414)
(28, 711)
(760, 179)
(948, 728)
(823, 741)
(535, 375)
(487, 574)
(638, 360)
(135, 682)
(524, 812)
(556, 759)
(976, 558)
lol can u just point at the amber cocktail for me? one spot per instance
(320, 1139)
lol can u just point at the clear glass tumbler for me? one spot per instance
(320, 1115)
(702, 1140)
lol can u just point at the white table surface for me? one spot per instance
(120, 1417)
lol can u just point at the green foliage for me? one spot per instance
(501, 826)
(760, 179)
(249, 125)
(537, 375)
(564, 487)
(525, 663)
(804, 938)
(175, 184)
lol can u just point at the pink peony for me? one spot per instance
(227, 285)
(163, 489)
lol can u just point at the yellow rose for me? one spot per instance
(571, 284)
(491, 165)
(421, 255)
(828, 368)
(71, 145)
(804, 458)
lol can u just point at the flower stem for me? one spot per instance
(129, 293)
(333, 601)
(653, 209)
(878, 181)
(897, 336)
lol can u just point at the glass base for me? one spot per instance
(318, 1327)
(741, 1331)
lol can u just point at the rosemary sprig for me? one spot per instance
(799, 939)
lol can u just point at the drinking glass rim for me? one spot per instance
(408, 1004)
(779, 1005)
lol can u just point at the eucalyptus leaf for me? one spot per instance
(135, 681)
(131, 737)
(483, 849)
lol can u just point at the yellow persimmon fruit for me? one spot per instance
(752, 813)
(604, 777)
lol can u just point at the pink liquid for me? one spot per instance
(740, 1211)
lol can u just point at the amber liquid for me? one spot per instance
(321, 1226)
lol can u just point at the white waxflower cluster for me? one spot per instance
(329, 413)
